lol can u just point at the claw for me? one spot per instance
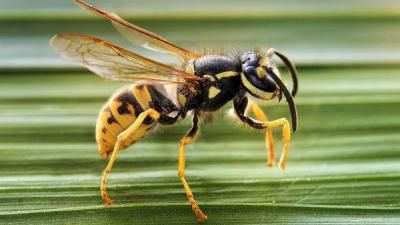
(105, 197)
(202, 218)
(282, 166)
(200, 215)
(270, 163)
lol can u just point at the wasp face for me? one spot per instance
(255, 78)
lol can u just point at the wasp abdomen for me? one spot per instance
(119, 113)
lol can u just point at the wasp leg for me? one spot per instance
(120, 140)
(269, 139)
(181, 168)
(240, 105)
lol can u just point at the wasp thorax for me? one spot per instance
(255, 78)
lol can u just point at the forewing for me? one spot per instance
(115, 63)
(141, 36)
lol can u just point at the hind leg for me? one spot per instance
(121, 141)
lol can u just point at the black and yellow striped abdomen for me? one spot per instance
(119, 113)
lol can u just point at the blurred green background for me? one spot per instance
(344, 161)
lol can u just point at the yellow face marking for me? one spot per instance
(259, 93)
(261, 73)
(264, 61)
(212, 92)
(226, 74)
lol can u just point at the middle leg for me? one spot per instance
(181, 168)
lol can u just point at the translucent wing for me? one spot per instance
(141, 36)
(115, 63)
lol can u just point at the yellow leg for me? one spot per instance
(181, 170)
(286, 141)
(285, 133)
(120, 140)
(286, 137)
(240, 103)
(269, 139)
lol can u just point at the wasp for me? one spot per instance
(161, 94)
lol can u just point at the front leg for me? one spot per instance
(269, 139)
(240, 105)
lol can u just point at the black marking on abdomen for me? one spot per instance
(105, 141)
(127, 97)
(104, 130)
(111, 119)
(123, 109)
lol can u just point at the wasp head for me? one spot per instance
(261, 78)
(255, 77)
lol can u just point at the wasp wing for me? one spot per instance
(141, 36)
(115, 63)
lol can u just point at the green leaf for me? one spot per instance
(342, 168)
(343, 163)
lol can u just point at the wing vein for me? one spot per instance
(115, 63)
